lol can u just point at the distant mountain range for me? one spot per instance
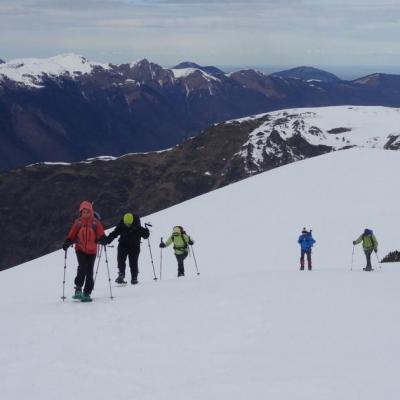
(66, 108)
(37, 203)
(307, 74)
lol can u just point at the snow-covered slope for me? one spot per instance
(251, 325)
(336, 127)
(31, 71)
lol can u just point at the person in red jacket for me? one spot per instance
(86, 232)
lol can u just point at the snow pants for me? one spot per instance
(133, 255)
(308, 253)
(181, 268)
(368, 257)
(84, 274)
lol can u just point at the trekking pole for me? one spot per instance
(108, 272)
(151, 254)
(379, 263)
(65, 269)
(194, 258)
(161, 261)
(98, 263)
(352, 258)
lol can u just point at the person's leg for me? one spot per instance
(309, 260)
(133, 263)
(181, 267)
(80, 273)
(121, 258)
(302, 259)
(89, 267)
(368, 257)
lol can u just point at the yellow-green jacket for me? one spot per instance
(181, 242)
(369, 242)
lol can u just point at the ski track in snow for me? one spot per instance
(251, 325)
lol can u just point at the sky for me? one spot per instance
(210, 32)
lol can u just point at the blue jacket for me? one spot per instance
(306, 241)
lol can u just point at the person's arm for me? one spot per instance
(375, 242)
(73, 232)
(70, 237)
(188, 239)
(101, 238)
(116, 232)
(144, 232)
(359, 240)
(169, 241)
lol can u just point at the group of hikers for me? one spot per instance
(87, 232)
(368, 239)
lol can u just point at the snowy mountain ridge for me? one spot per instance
(334, 128)
(31, 71)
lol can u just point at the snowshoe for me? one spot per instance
(78, 294)
(120, 280)
(86, 298)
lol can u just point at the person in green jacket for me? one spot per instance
(370, 244)
(181, 241)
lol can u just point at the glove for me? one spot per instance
(66, 244)
(191, 242)
(354, 242)
(162, 245)
(103, 240)
(146, 233)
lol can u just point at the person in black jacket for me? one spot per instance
(130, 232)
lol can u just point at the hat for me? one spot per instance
(177, 230)
(128, 219)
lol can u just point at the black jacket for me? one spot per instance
(129, 236)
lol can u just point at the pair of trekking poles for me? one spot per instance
(352, 259)
(194, 258)
(108, 269)
(97, 270)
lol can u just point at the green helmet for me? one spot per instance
(128, 219)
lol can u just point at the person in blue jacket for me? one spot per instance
(306, 242)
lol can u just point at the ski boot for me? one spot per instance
(134, 281)
(368, 269)
(120, 280)
(86, 298)
(78, 294)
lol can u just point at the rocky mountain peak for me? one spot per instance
(307, 73)
(208, 69)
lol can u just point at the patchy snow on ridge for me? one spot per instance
(337, 127)
(30, 71)
(185, 72)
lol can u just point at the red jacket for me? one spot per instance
(85, 232)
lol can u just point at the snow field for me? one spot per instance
(251, 325)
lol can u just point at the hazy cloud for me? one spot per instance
(209, 31)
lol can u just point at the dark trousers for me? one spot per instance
(368, 257)
(180, 258)
(133, 254)
(303, 252)
(84, 274)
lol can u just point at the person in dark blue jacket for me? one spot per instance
(306, 242)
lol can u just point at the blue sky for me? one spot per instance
(229, 32)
